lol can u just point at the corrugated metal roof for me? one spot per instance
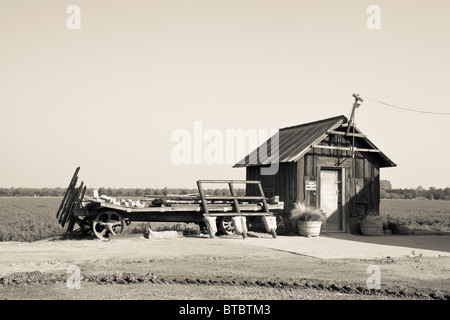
(295, 141)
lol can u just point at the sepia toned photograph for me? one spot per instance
(222, 158)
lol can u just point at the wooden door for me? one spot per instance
(330, 194)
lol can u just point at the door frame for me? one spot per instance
(341, 171)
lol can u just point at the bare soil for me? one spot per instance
(132, 267)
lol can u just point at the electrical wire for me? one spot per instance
(413, 110)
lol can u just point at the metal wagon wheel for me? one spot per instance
(226, 225)
(107, 223)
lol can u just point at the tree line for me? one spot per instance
(432, 193)
(112, 192)
(386, 192)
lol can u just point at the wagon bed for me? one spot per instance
(103, 216)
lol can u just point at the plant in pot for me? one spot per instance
(307, 219)
(372, 225)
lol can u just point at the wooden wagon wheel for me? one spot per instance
(226, 225)
(107, 223)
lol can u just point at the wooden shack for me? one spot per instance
(328, 164)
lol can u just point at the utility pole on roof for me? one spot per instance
(356, 104)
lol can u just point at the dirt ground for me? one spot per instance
(131, 267)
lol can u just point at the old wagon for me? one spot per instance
(105, 216)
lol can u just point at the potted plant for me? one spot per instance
(372, 225)
(307, 219)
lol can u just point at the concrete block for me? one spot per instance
(160, 234)
(270, 222)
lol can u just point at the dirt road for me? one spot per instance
(204, 268)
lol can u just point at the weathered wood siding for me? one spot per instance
(283, 184)
(361, 179)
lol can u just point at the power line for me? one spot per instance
(413, 110)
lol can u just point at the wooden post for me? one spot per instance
(261, 191)
(355, 105)
(202, 196)
(211, 226)
(270, 223)
(240, 225)
(235, 201)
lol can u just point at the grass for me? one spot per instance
(31, 219)
(410, 216)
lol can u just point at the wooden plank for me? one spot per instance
(368, 166)
(341, 133)
(71, 185)
(359, 186)
(314, 167)
(173, 197)
(359, 169)
(293, 182)
(266, 207)
(235, 201)
(65, 212)
(232, 198)
(70, 195)
(308, 164)
(334, 142)
(345, 148)
(187, 208)
(230, 181)
(252, 173)
(202, 195)
(289, 184)
(77, 204)
(194, 206)
(268, 184)
(299, 180)
(282, 185)
(327, 161)
(262, 213)
(82, 195)
(376, 199)
(69, 214)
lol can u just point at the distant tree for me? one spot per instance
(385, 185)
(447, 193)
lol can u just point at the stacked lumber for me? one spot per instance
(122, 202)
(72, 200)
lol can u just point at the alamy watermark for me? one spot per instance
(213, 146)
(374, 20)
(73, 22)
(74, 280)
(374, 281)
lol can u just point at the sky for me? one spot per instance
(109, 96)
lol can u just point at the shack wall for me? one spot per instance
(361, 180)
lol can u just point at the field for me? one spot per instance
(416, 216)
(30, 219)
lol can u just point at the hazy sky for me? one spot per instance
(108, 97)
